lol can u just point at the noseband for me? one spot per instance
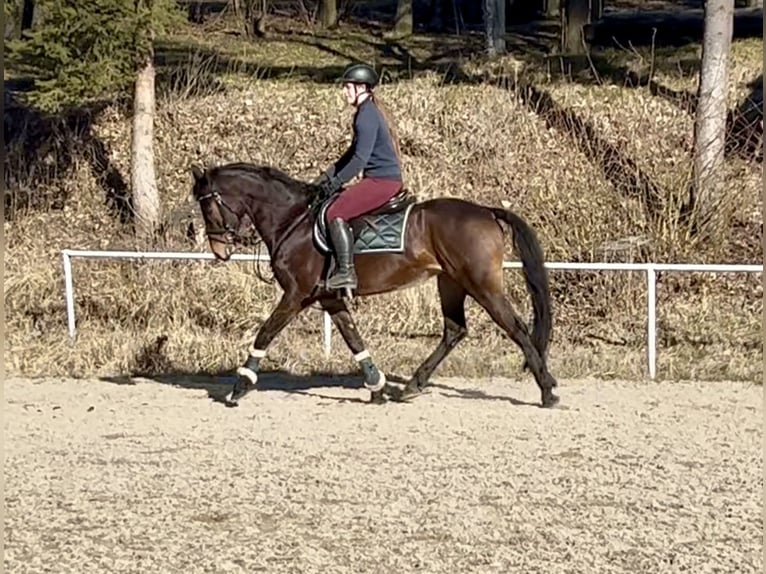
(227, 233)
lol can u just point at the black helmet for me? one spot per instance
(360, 74)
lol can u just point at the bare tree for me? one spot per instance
(254, 14)
(552, 7)
(328, 13)
(239, 11)
(146, 199)
(494, 23)
(710, 122)
(403, 19)
(575, 15)
(596, 9)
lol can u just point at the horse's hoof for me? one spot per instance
(377, 398)
(241, 388)
(550, 400)
(408, 393)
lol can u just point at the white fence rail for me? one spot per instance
(651, 270)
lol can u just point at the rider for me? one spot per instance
(375, 152)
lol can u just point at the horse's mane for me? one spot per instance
(297, 188)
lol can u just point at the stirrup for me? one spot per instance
(351, 283)
(346, 288)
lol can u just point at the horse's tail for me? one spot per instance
(536, 275)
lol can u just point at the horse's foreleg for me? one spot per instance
(374, 379)
(285, 311)
(452, 298)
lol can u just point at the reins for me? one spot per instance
(230, 234)
(289, 232)
(227, 234)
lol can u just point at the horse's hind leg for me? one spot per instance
(452, 296)
(503, 314)
(374, 379)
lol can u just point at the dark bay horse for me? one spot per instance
(458, 241)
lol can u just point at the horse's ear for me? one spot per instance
(198, 173)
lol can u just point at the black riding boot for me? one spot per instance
(344, 276)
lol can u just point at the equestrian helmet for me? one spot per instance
(360, 74)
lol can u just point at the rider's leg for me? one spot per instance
(355, 200)
(344, 276)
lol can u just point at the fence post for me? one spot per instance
(651, 323)
(327, 334)
(69, 293)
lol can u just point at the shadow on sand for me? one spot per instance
(218, 385)
(476, 394)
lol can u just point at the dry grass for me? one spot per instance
(576, 187)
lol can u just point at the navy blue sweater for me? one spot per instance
(371, 152)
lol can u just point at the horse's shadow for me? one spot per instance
(477, 394)
(219, 384)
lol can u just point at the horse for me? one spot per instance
(397, 245)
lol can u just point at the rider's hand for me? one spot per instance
(329, 185)
(321, 181)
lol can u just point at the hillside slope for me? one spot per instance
(593, 166)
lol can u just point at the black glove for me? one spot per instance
(333, 186)
(327, 185)
(321, 181)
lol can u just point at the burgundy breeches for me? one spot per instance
(366, 195)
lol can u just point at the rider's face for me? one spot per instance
(351, 91)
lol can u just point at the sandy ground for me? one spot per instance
(151, 477)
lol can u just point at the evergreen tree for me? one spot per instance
(80, 51)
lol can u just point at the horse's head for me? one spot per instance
(223, 214)
(274, 202)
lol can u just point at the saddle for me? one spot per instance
(387, 214)
(397, 203)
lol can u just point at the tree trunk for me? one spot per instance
(239, 13)
(328, 13)
(20, 16)
(710, 122)
(27, 14)
(552, 8)
(255, 12)
(403, 19)
(575, 15)
(494, 23)
(436, 17)
(596, 9)
(146, 198)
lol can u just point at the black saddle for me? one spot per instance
(397, 203)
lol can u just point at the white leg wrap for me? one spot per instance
(248, 373)
(380, 385)
(257, 353)
(362, 356)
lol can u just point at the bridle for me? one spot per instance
(226, 235)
